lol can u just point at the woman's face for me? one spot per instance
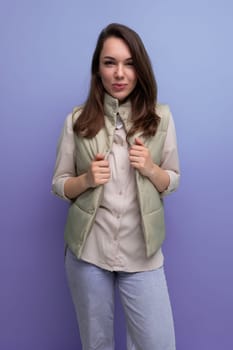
(116, 68)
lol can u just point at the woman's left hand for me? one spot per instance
(140, 158)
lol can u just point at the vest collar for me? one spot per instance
(112, 107)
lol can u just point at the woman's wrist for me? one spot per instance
(74, 186)
(159, 178)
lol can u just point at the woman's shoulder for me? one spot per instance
(76, 112)
(163, 110)
(71, 118)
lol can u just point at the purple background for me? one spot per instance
(45, 55)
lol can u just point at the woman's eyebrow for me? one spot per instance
(113, 58)
(109, 57)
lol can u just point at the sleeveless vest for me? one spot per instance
(82, 211)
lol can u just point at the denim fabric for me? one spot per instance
(144, 297)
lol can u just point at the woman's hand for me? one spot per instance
(140, 159)
(97, 174)
(99, 171)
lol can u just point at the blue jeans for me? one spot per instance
(144, 297)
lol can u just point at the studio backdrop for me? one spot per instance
(46, 48)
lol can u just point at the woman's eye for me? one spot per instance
(108, 63)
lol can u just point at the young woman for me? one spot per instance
(116, 159)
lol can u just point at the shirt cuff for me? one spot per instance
(58, 189)
(174, 182)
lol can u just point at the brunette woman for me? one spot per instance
(116, 159)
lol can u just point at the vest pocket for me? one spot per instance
(77, 228)
(154, 230)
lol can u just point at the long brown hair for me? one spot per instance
(143, 98)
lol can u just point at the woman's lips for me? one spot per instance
(118, 87)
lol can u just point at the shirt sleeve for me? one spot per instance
(65, 159)
(170, 158)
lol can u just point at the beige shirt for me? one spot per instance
(116, 241)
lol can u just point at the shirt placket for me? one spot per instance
(122, 168)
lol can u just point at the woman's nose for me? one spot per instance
(119, 71)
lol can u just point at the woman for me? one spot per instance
(116, 159)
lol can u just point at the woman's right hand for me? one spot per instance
(99, 171)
